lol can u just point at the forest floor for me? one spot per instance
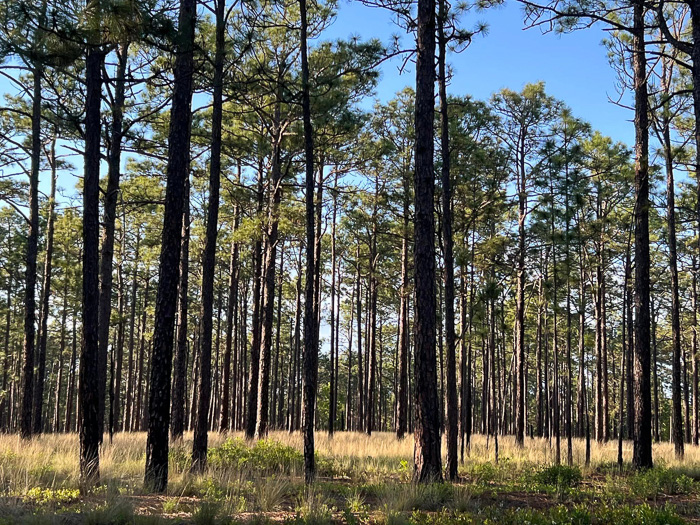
(362, 480)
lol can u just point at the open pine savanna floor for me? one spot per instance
(363, 480)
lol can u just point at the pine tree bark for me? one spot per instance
(156, 475)
(642, 457)
(427, 458)
(231, 316)
(677, 420)
(269, 280)
(88, 384)
(402, 397)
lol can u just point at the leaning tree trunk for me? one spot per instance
(427, 460)
(156, 475)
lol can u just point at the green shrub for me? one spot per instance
(264, 457)
(559, 476)
(657, 481)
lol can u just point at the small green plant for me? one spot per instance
(207, 513)
(171, 505)
(54, 497)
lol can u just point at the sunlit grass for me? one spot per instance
(359, 475)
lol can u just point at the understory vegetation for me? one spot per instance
(361, 479)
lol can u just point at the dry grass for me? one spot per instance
(362, 474)
(52, 460)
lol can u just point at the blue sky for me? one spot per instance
(574, 66)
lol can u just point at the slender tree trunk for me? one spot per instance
(179, 394)
(199, 444)
(520, 305)
(402, 399)
(310, 335)
(231, 316)
(59, 380)
(25, 427)
(254, 368)
(132, 331)
(262, 408)
(448, 258)
(334, 342)
(38, 396)
(68, 426)
(110, 209)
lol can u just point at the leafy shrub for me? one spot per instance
(654, 482)
(559, 476)
(264, 457)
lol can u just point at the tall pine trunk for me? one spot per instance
(88, 383)
(199, 443)
(642, 457)
(110, 210)
(427, 458)
(156, 475)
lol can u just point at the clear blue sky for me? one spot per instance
(574, 66)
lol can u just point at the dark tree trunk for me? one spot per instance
(110, 211)
(254, 368)
(88, 385)
(132, 331)
(677, 430)
(179, 394)
(310, 324)
(642, 457)
(59, 380)
(334, 341)
(156, 475)
(38, 396)
(118, 350)
(25, 427)
(231, 315)
(68, 425)
(427, 458)
(262, 408)
(199, 444)
(520, 307)
(448, 258)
